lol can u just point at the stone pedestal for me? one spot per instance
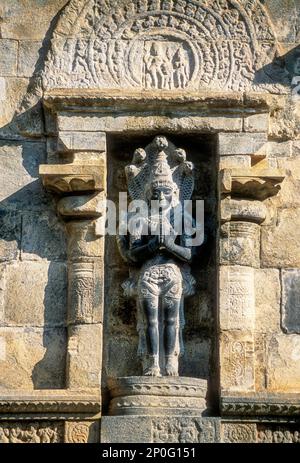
(144, 396)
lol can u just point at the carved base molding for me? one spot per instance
(262, 405)
(142, 395)
(50, 405)
(195, 429)
(159, 429)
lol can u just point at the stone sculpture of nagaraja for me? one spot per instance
(160, 275)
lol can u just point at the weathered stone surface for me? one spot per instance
(229, 162)
(280, 244)
(279, 149)
(296, 148)
(289, 195)
(13, 91)
(195, 360)
(120, 123)
(35, 294)
(2, 89)
(8, 57)
(290, 303)
(241, 143)
(43, 237)
(121, 355)
(30, 57)
(34, 358)
(20, 186)
(81, 141)
(125, 429)
(17, 18)
(267, 300)
(84, 356)
(256, 123)
(284, 17)
(10, 234)
(283, 362)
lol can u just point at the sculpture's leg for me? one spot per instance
(171, 308)
(150, 307)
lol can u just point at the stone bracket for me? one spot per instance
(68, 178)
(253, 183)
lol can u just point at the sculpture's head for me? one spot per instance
(164, 191)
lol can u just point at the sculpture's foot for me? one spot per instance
(152, 371)
(152, 366)
(171, 366)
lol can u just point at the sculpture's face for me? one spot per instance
(163, 194)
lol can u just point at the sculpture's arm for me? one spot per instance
(140, 252)
(178, 251)
(181, 252)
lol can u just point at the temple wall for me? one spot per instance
(37, 358)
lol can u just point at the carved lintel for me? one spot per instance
(68, 178)
(254, 183)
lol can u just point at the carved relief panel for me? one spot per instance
(166, 45)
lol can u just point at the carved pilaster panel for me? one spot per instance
(84, 356)
(83, 304)
(81, 432)
(237, 361)
(240, 244)
(82, 240)
(236, 302)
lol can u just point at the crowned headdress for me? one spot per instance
(160, 164)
